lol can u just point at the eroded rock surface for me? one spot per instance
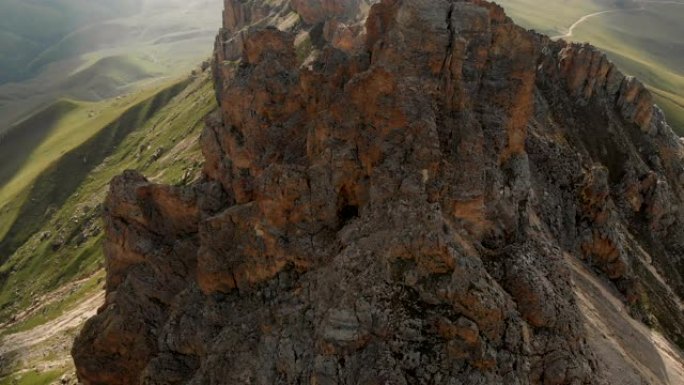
(389, 194)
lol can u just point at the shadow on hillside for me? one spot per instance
(61, 180)
(23, 138)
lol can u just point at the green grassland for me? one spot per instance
(645, 43)
(62, 176)
(29, 27)
(60, 264)
(33, 378)
(100, 50)
(29, 134)
(108, 76)
(65, 126)
(96, 79)
(61, 238)
(102, 89)
(100, 98)
(551, 17)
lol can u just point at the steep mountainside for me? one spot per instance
(399, 193)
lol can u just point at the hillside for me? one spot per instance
(129, 43)
(29, 134)
(53, 279)
(21, 41)
(110, 76)
(96, 91)
(642, 36)
(109, 58)
(53, 133)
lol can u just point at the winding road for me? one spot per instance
(641, 7)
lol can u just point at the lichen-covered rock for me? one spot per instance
(392, 205)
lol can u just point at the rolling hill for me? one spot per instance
(129, 43)
(21, 41)
(29, 134)
(110, 76)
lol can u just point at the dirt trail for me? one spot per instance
(641, 7)
(630, 352)
(67, 321)
(582, 19)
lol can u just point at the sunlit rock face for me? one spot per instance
(390, 193)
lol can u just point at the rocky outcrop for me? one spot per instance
(588, 72)
(392, 203)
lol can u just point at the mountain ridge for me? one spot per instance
(390, 194)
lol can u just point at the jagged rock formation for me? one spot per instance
(392, 201)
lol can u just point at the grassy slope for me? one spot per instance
(37, 267)
(40, 283)
(64, 133)
(28, 134)
(646, 44)
(32, 378)
(108, 76)
(551, 17)
(60, 179)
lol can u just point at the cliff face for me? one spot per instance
(391, 196)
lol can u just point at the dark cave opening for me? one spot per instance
(346, 213)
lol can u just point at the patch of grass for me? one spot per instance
(32, 378)
(551, 17)
(304, 49)
(55, 309)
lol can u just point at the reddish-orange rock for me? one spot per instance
(316, 11)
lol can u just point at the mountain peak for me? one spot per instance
(393, 193)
